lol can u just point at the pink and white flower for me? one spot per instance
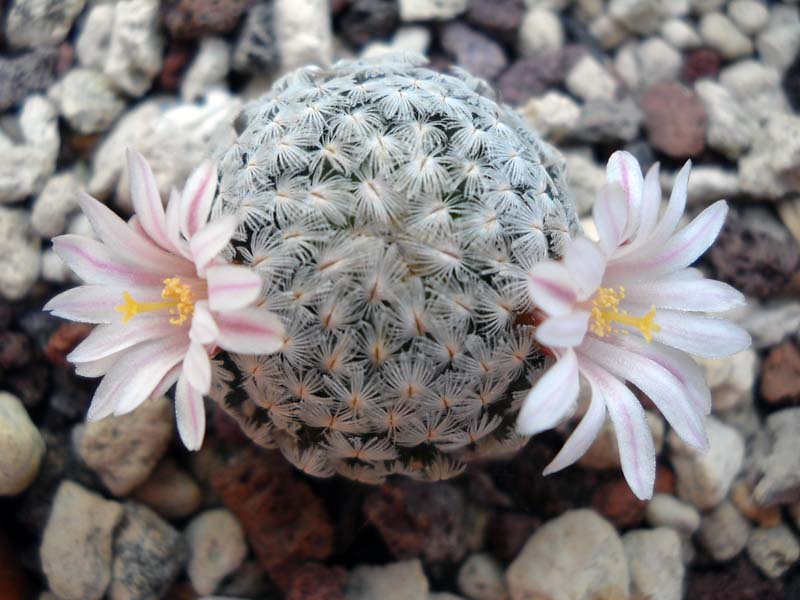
(629, 309)
(162, 297)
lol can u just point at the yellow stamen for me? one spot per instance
(178, 300)
(605, 312)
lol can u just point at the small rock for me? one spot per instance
(724, 532)
(425, 10)
(604, 121)
(21, 446)
(731, 129)
(481, 578)
(53, 268)
(589, 79)
(318, 582)
(719, 32)
(124, 450)
(170, 491)
(658, 61)
(771, 169)
(136, 46)
(607, 31)
(704, 478)
(395, 581)
(19, 248)
(208, 69)
(554, 115)
(541, 31)
(475, 52)
(216, 547)
(707, 184)
(779, 481)
(756, 86)
(35, 23)
(675, 119)
(87, 100)
(256, 50)
(533, 76)
(780, 381)
(501, 17)
(772, 323)
(189, 19)
(409, 38)
(577, 555)
(773, 550)
(778, 45)
(742, 498)
(667, 511)
(739, 579)
(148, 555)
(56, 202)
(366, 20)
(655, 564)
(640, 16)
(26, 74)
(731, 379)
(508, 531)
(702, 63)
(750, 16)
(94, 38)
(680, 34)
(303, 33)
(76, 547)
(586, 178)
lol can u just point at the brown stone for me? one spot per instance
(318, 582)
(176, 58)
(189, 19)
(741, 496)
(675, 119)
(284, 520)
(700, 63)
(507, 533)
(616, 502)
(170, 491)
(780, 382)
(64, 340)
(14, 582)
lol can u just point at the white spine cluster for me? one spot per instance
(393, 212)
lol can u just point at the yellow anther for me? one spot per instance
(605, 313)
(178, 300)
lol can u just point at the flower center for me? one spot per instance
(178, 300)
(606, 312)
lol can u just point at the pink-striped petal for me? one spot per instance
(636, 450)
(677, 204)
(552, 398)
(231, 287)
(651, 203)
(207, 243)
(167, 381)
(110, 339)
(624, 169)
(173, 218)
(586, 263)
(551, 288)
(250, 331)
(705, 295)
(131, 381)
(204, 329)
(96, 264)
(610, 217)
(146, 200)
(197, 368)
(699, 335)
(190, 414)
(565, 331)
(97, 368)
(96, 303)
(195, 202)
(584, 434)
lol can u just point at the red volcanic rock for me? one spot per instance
(314, 581)
(675, 119)
(781, 374)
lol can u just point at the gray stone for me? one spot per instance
(701, 7)
(778, 45)
(136, 46)
(719, 32)
(680, 34)
(589, 79)
(706, 185)
(396, 581)
(94, 37)
(35, 23)
(756, 86)
(704, 478)
(605, 121)
(26, 74)
(170, 491)
(750, 16)
(724, 532)
(148, 555)
(256, 49)
(640, 16)
(87, 100)
(208, 69)
(303, 33)
(481, 578)
(731, 129)
(773, 550)
(19, 248)
(474, 51)
(658, 61)
(53, 268)
(577, 555)
(779, 481)
(431, 10)
(771, 323)
(772, 167)
(76, 546)
(21, 446)
(586, 178)
(655, 564)
(554, 115)
(731, 379)
(541, 31)
(607, 31)
(665, 510)
(216, 547)
(124, 450)
(56, 202)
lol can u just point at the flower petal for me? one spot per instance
(552, 398)
(584, 434)
(705, 295)
(197, 368)
(203, 330)
(551, 288)
(651, 203)
(207, 243)
(167, 381)
(565, 331)
(196, 198)
(623, 168)
(97, 368)
(190, 414)
(586, 263)
(110, 339)
(96, 303)
(250, 331)
(610, 216)
(95, 263)
(173, 218)
(146, 200)
(677, 204)
(699, 335)
(231, 287)
(134, 377)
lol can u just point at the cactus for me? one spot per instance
(393, 213)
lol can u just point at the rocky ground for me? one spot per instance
(118, 509)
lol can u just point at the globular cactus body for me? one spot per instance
(393, 212)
